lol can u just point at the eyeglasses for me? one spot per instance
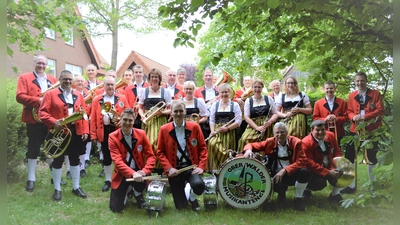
(254, 87)
(290, 83)
(66, 79)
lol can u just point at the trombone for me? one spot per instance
(152, 112)
(225, 125)
(35, 110)
(332, 126)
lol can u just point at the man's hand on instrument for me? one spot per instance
(57, 125)
(278, 177)
(330, 118)
(358, 118)
(240, 102)
(198, 170)
(172, 172)
(85, 137)
(248, 154)
(334, 173)
(138, 176)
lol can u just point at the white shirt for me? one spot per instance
(236, 110)
(255, 103)
(210, 93)
(171, 89)
(362, 99)
(92, 84)
(180, 136)
(330, 102)
(282, 152)
(68, 99)
(201, 105)
(42, 82)
(109, 116)
(128, 139)
(323, 147)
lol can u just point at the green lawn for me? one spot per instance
(39, 208)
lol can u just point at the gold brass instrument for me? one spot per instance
(120, 83)
(332, 126)
(247, 94)
(194, 117)
(346, 170)
(35, 110)
(89, 98)
(57, 141)
(225, 125)
(362, 134)
(152, 112)
(226, 78)
(107, 108)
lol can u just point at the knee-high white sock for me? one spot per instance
(32, 169)
(56, 174)
(88, 149)
(187, 190)
(300, 187)
(335, 191)
(371, 176)
(192, 195)
(81, 162)
(75, 176)
(49, 161)
(66, 160)
(107, 171)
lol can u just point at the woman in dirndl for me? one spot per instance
(148, 98)
(225, 117)
(260, 114)
(296, 106)
(194, 105)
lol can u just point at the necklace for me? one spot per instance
(155, 91)
(258, 100)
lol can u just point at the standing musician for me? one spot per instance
(194, 105)
(91, 72)
(128, 77)
(321, 147)
(29, 89)
(260, 114)
(275, 87)
(181, 144)
(175, 90)
(133, 157)
(132, 93)
(296, 105)
(225, 116)
(247, 82)
(102, 124)
(58, 104)
(181, 73)
(364, 104)
(148, 99)
(286, 161)
(331, 110)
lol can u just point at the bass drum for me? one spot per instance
(155, 196)
(244, 183)
(210, 194)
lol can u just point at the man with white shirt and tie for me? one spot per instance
(175, 90)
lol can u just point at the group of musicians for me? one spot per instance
(150, 127)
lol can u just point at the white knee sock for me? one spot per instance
(187, 190)
(66, 160)
(56, 174)
(32, 169)
(353, 183)
(335, 191)
(88, 149)
(192, 196)
(75, 176)
(81, 162)
(371, 176)
(107, 171)
(300, 187)
(49, 161)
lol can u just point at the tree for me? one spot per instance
(107, 17)
(190, 70)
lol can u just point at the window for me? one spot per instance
(50, 33)
(75, 70)
(69, 34)
(51, 67)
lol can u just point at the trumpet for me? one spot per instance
(35, 110)
(225, 125)
(89, 98)
(57, 141)
(152, 112)
(332, 126)
(107, 108)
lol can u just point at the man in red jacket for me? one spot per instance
(181, 144)
(364, 104)
(286, 161)
(321, 147)
(29, 93)
(129, 147)
(58, 104)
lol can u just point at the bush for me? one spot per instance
(17, 140)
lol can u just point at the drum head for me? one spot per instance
(244, 183)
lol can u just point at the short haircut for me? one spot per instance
(180, 70)
(137, 66)
(157, 72)
(329, 82)
(361, 74)
(90, 64)
(224, 86)
(128, 70)
(128, 111)
(64, 72)
(258, 81)
(279, 125)
(189, 83)
(208, 69)
(39, 56)
(177, 102)
(272, 82)
(317, 123)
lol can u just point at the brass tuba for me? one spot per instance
(226, 78)
(346, 170)
(57, 141)
(247, 94)
(35, 110)
(107, 108)
(152, 111)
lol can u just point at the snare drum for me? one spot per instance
(210, 197)
(155, 196)
(244, 183)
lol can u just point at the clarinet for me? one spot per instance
(266, 120)
(287, 119)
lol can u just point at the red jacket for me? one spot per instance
(315, 156)
(270, 147)
(96, 118)
(141, 150)
(87, 85)
(373, 108)
(168, 145)
(321, 111)
(178, 93)
(132, 95)
(201, 92)
(28, 94)
(54, 107)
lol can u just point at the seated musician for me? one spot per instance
(286, 162)
(181, 144)
(320, 147)
(133, 157)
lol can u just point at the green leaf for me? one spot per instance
(196, 3)
(291, 56)
(9, 51)
(273, 3)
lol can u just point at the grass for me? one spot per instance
(38, 207)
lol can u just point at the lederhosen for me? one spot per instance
(297, 124)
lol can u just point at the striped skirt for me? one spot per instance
(297, 125)
(152, 130)
(251, 135)
(217, 148)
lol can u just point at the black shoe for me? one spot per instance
(87, 163)
(348, 190)
(140, 202)
(79, 192)
(57, 195)
(282, 196)
(307, 194)
(106, 186)
(335, 198)
(298, 204)
(83, 173)
(62, 182)
(102, 174)
(30, 185)
(69, 175)
(195, 205)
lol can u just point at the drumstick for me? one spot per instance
(187, 168)
(155, 177)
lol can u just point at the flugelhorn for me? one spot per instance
(225, 125)
(57, 141)
(35, 110)
(89, 98)
(107, 108)
(152, 111)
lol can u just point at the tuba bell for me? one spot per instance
(346, 170)
(152, 112)
(226, 78)
(35, 110)
(247, 94)
(107, 108)
(120, 83)
(57, 141)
